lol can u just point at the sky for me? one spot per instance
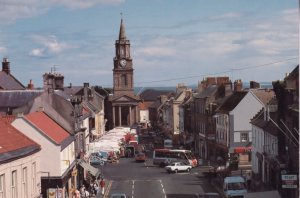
(172, 41)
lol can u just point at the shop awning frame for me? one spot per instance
(94, 171)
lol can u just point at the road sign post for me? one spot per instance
(102, 164)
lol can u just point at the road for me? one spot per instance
(143, 180)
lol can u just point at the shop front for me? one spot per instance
(244, 155)
(60, 186)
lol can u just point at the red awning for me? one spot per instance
(242, 149)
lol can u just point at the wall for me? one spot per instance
(50, 153)
(33, 176)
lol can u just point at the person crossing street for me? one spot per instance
(102, 186)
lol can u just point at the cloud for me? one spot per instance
(11, 10)
(37, 52)
(229, 15)
(3, 49)
(49, 46)
(82, 4)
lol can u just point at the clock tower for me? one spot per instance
(123, 70)
(123, 102)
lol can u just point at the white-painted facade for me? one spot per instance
(266, 145)
(144, 116)
(21, 177)
(54, 161)
(233, 127)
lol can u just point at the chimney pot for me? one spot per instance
(6, 66)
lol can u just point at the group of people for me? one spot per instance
(91, 191)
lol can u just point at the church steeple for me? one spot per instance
(123, 68)
(122, 35)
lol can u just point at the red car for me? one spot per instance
(140, 157)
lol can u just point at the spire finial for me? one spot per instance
(122, 35)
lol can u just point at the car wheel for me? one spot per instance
(188, 170)
(176, 171)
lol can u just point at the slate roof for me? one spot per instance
(48, 127)
(207, 92)
(9, 82)
(72, 90)
(57, 107)
(152, 94)
(259, 121)
(155, 104)
(232, 101)
(17, 98)
(14, 144)
(188, 98)
(294, 74)
(264, 95)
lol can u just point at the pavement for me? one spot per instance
(256, 185)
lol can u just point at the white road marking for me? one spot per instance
(132, 193)
(162, 186)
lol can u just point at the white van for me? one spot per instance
(234, 186)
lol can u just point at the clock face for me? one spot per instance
(123, 62)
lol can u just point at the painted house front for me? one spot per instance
(20, 171)
(58, 164)
(233, 123)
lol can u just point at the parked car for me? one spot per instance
(140, 157)
(103, 155)
(178, 167)
(95, 158)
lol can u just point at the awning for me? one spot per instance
(94, 171)
(242, 149)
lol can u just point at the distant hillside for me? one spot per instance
(138, 90)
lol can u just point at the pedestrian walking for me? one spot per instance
(76, 194)
(95, 188)
(82, 191)
(102, 185)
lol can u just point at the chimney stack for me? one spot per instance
(30, 85)
(6, 66)
(238, 85)
(254, 85)
(85, 91)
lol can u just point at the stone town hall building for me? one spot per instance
(122, 103)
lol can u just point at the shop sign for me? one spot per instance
(55, 193)
(74, 173)
(176, 132)
(289, 181)
(211, 136)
